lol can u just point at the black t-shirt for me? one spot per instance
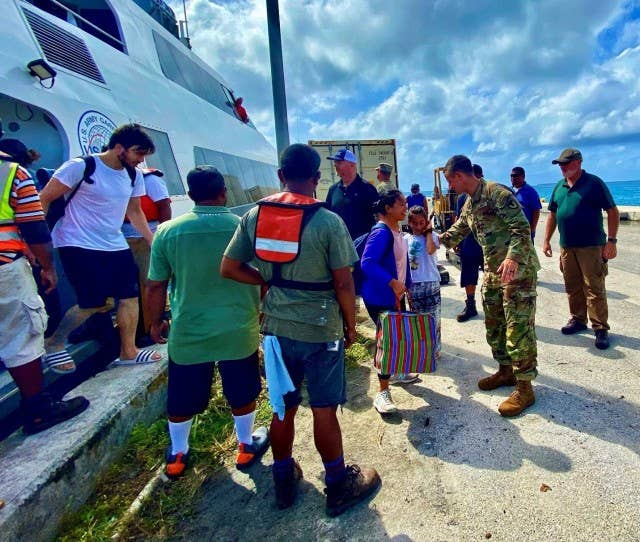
(354, 205)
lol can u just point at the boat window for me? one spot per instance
(162, 13)
(182, 70)
(164, 160)
(95, 17)
(247, 180)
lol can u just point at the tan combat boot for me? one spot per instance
(504, 377)
(520, 399)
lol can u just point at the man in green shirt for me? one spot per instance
(576, 208)
(495, 218)
(213, 320)
(311, 321)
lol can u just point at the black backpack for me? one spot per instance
(58, 206)
(359, 244)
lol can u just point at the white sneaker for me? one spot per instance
(383, 403)
(404, 378)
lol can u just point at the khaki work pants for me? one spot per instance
(584, 272)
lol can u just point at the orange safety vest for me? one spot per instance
(281, 220)
(10, 239)
(149, 208)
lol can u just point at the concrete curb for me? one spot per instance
(52, 473)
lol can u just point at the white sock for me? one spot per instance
(179, 433)
(244, 427)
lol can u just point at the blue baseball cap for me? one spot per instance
(344, 154)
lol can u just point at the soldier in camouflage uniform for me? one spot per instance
(496, 220)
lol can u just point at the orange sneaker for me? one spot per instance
(176, 464)
(249, 453)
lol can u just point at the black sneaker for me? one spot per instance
(602, 339)
(357, 486)
(42, 411)
(573, 326)
(287, 488)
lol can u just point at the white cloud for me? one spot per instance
(507, 82)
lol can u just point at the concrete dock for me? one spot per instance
(452, 468)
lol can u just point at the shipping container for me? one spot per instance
(369, 153)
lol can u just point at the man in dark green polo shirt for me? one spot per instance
(351, 198)
(576, 208)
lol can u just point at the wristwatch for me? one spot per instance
(613, 240)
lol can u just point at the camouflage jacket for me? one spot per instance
(495, 218)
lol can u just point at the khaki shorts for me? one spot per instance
(23, 318)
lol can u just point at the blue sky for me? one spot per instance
(506, 82)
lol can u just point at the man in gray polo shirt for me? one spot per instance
(311, 326)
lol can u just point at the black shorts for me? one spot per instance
(321, 365)
(189, 388)
(470, 265)
(99, 274)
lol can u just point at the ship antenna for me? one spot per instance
(186, 39)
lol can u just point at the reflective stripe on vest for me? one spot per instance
(279, 226)
(7, 175)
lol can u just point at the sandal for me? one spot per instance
(143, 356)
(60, 362)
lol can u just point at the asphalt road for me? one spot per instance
(452, 468)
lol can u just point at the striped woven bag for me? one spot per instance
(405, 343)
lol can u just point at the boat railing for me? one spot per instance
(87, 22)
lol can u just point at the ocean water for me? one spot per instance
(623, 192)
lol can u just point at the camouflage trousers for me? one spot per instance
(510, 313)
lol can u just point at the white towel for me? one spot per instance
(278, 379)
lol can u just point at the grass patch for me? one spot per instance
(360, 352)
(211, 440)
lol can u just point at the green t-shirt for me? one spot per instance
(310, 316)
(578, 210)
(213, 318)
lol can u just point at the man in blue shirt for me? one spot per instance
(527, 197)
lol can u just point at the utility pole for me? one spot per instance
(277, 76)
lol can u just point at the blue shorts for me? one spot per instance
(189, 388)
(99, 274)
(321, 366)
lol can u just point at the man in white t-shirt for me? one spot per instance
(156, 206)
(93, 251)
